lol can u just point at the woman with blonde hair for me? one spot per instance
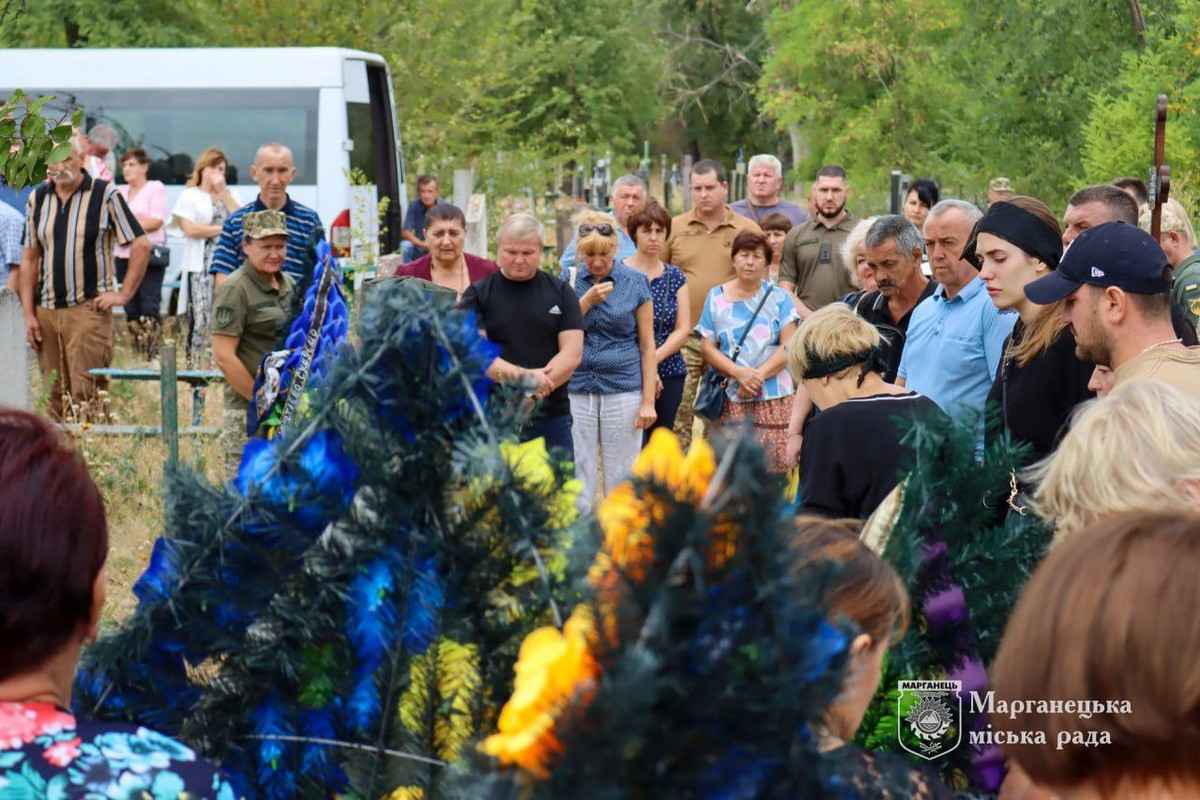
(1039, 379)
(198, 216)
(855, 258)
(852, 455)
(612, 392)
(1138, 449)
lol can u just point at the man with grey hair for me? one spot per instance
(628, 198)
(892, 248)
(102, 142)
(68, 281)
(956, 337)
(535, 319)
(764, 180)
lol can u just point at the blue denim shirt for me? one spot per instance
(954, 348)
(612, 361)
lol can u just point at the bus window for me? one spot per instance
(175, 125)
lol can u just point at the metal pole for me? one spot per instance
(170, 403)
(686, 191)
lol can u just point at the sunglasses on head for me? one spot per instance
(604, 229)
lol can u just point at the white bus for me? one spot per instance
(333, 107)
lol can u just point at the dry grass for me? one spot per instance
(129, 471)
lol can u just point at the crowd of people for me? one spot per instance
(1076, 338)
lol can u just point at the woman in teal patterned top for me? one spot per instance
(55, 540)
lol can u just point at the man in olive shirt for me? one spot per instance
(250, 310)
(811, 266)
(699, 245)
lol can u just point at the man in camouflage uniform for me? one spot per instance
(250, 310)
(1176, 239)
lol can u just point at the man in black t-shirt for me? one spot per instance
(894, 257)
(535, 319)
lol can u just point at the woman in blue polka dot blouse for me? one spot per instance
(612, 391)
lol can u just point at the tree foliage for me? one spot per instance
(958, 90)
(1050, 93)
(1120, 125)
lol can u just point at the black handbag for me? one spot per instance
(710, 396)
(160, 256)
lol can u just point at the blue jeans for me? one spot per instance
(555, 430)
(410, 252)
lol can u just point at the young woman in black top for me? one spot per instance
(1039, 380)
(851, 456)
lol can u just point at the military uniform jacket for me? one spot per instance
(248, 307)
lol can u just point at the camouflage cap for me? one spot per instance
(260, 224)
(1000, 185)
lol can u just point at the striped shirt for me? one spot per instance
(76, 239)
(302, 222)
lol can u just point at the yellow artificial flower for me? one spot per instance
(625, 518)
(530, 465)
(662, 460)
(553, 669)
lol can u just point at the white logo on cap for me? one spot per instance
(1097, 272)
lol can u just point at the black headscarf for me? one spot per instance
(1016, 226)
(872, 361)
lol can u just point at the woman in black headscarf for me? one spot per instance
(1039, 380)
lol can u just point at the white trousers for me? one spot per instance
(604, 423)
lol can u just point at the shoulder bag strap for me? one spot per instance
(737, 350)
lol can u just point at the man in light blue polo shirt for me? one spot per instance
(628, 197)
(956, 336)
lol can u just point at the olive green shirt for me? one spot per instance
(246, 306)
(703, 254)
(1185, 291)
(812, 261)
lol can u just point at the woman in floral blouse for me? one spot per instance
(759, 389)
(49, 606)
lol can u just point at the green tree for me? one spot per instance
(574, 77)
(116, 23)
(958, 90)
(715, 56)
(1118, 137)
(865, 84)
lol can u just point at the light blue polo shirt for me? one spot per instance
(954, 348)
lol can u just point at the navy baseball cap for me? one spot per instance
(1112, 254)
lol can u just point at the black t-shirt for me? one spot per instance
(851, 456)
(873, 307)
(1036, 399)
(524, 318)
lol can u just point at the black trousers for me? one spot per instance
(144, 305)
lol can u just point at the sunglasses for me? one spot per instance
(604, 229)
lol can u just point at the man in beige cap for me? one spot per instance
(999, 189)
(250, 311)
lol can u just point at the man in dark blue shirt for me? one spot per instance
(413, 232)
(273, 171)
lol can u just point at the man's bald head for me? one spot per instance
(273, 171)
(272, 149)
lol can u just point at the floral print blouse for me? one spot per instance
(45, 752)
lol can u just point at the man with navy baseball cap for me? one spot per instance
(1116, 282)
